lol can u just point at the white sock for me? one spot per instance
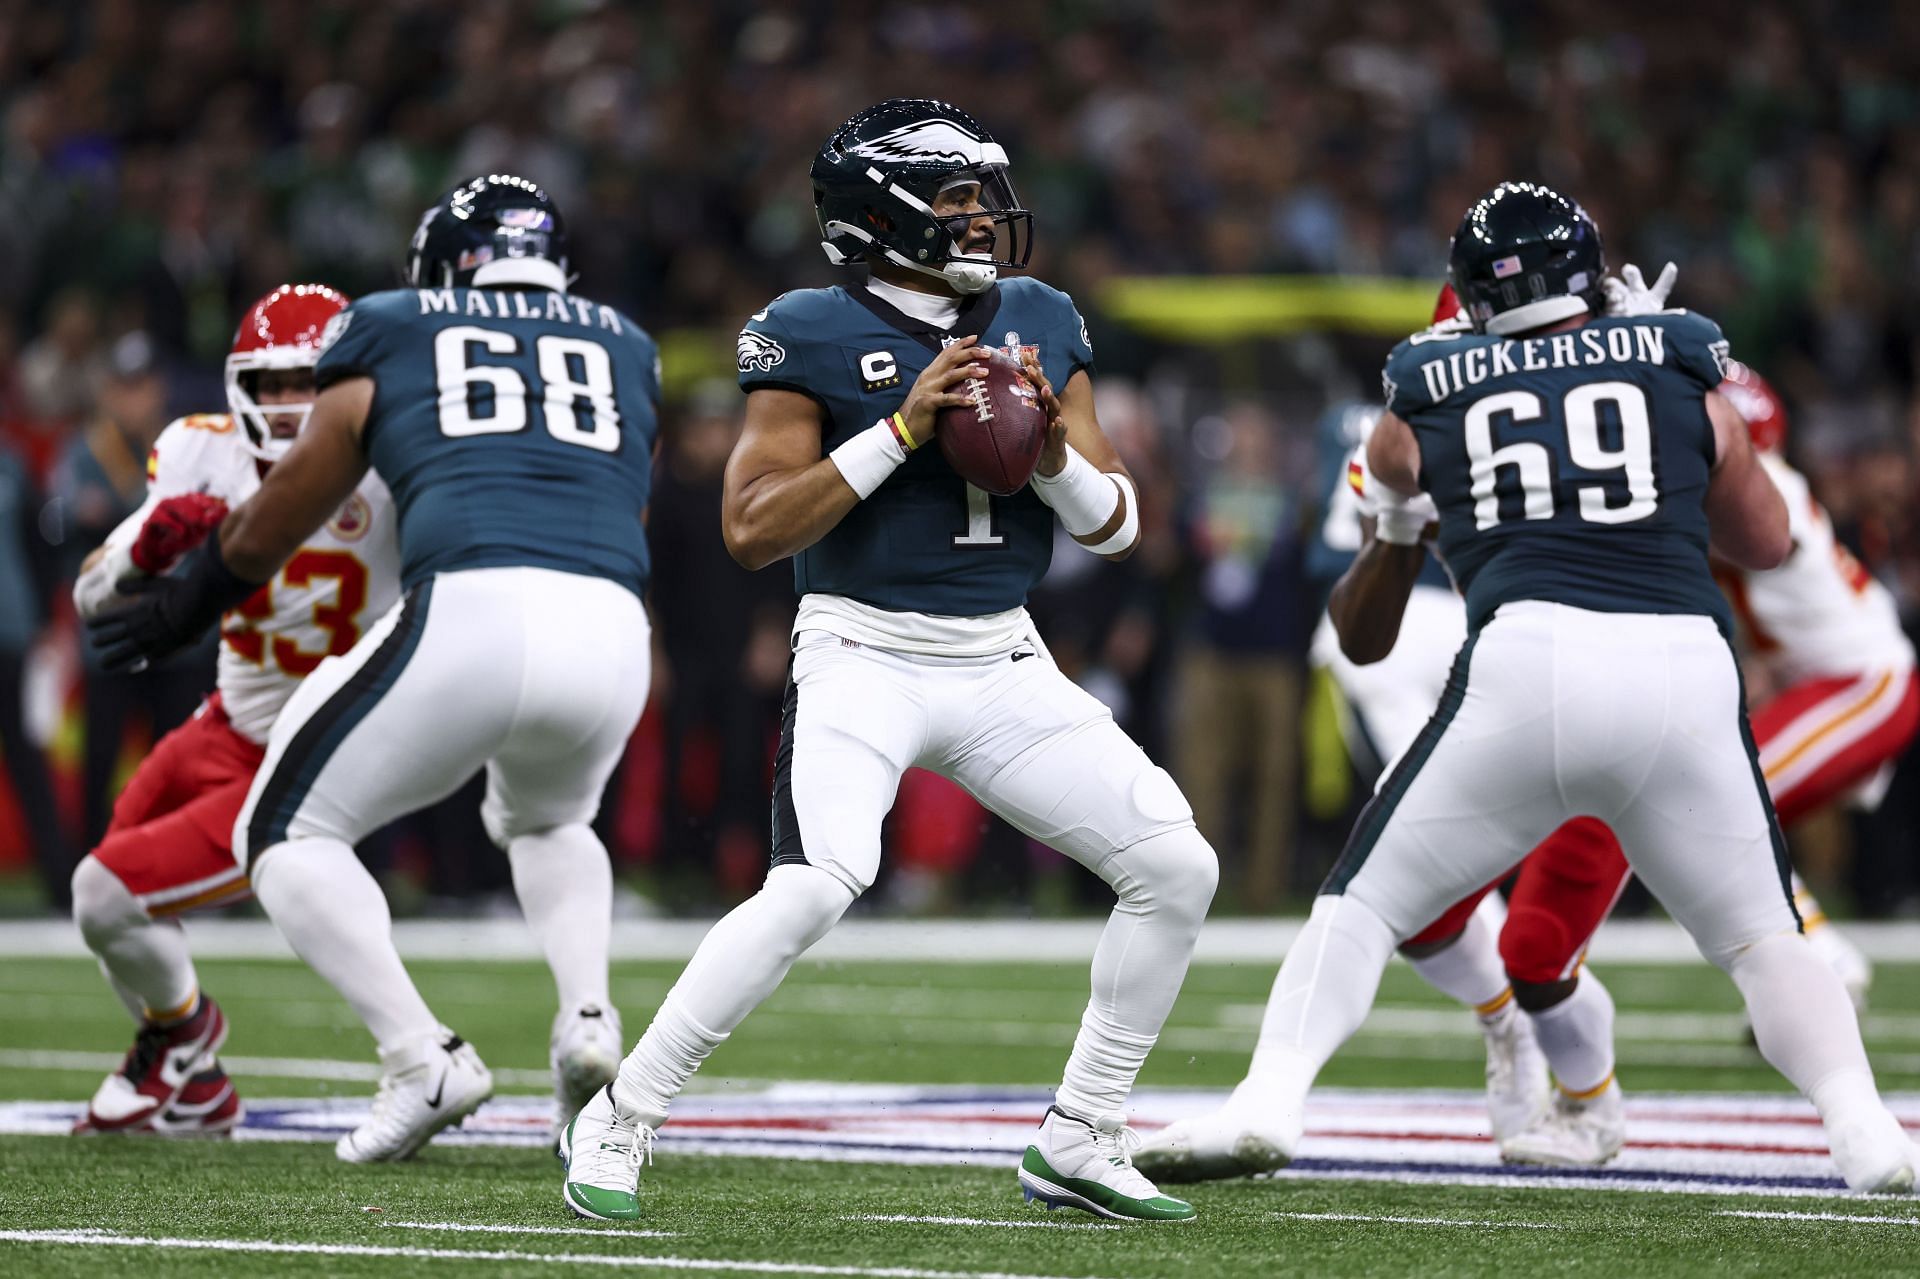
(1165, 884)
(145, 960)
(1805, 1026)
(1576, 1035)
(335, 917)
(1469, 970)
(739, 963)
(1324, 991)
(1802, 1018)
(565, 885)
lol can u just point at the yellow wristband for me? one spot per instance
(906, 436)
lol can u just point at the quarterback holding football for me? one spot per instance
(912, 645)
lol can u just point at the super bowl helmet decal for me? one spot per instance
(496, 229)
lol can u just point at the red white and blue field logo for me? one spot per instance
(1688, 1143)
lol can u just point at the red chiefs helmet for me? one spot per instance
(1446, 306)
(280, 331)
(1757, 402)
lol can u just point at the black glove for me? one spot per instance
(169, 613)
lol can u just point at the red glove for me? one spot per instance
(176, 526)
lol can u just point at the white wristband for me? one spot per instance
(1129, 529)
(1401, 525)
(1083, 497)
(95, 589)
(866, 460)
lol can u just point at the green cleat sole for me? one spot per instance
(600, 1205)
(1039, 1182)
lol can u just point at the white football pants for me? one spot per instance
(537, 675)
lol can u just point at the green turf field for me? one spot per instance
(994, 1024)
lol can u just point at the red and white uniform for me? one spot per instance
(1849, 703)
(171, 838)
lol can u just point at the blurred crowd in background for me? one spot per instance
(163, 165)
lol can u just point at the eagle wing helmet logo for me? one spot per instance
(877, 180)
(931, 142)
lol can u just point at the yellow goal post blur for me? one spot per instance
(1230, 308)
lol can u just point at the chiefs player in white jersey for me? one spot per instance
(1845, 703)
(169, 848)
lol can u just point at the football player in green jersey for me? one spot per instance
(1581, 465)
(913, 647)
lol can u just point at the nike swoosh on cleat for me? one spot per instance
(438, 1090)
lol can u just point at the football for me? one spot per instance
(995, 442)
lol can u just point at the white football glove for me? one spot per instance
(1396, 518)
(1630, 294)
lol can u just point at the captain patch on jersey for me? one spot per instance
(925, 541)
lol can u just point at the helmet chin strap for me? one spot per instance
(969, 275)
(542, 273)
(1533, 315)
(966, 275)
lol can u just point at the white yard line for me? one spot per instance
(1496, 1179)
(462, 1227)
(1818, 1216)
(266, 1067)
(82, 1239)
(1368, 1045)
(1415, 1221)
(985, 1221)
(1640, 941)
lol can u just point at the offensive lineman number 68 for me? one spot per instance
(596, 425)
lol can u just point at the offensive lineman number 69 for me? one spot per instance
(565, 384)
(1580, 411)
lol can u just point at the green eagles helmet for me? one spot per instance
(1526, 256)
(875, 181)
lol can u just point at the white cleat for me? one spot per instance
(1874, 1153)
(1519, 1090)
(603, 1151)
(1076, 1163)
(1250, 1134)
(585, 1050)
(432, 1083)
(1579, 1132)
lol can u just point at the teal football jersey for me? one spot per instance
(515, 427)
(925, 541)
(1570, 468)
